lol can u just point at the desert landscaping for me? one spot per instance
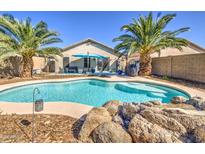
(181, 121)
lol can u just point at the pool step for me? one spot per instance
(129, 89)
(140, 89)
(100, 83)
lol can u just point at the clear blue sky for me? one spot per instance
(104, 26)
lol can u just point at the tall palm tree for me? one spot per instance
(146, 36)
(20, 38)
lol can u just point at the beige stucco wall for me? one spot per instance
(90, 47)
(39, 62)
(58, 64)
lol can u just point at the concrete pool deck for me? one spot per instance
(76, 110)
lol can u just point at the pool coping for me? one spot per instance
(76, 110)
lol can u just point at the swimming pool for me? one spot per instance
(91, 92)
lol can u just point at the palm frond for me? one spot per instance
(49, 51)
(147, 35)
(22, 38)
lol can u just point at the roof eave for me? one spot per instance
(90, 40)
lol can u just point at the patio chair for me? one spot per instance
(73, 69)
(84, 71)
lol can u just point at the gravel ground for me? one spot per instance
(48, 128)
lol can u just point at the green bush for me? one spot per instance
(165, 78)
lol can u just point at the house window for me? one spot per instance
(86, 62)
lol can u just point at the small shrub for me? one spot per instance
(165, 78)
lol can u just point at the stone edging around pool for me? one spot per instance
(76, 110)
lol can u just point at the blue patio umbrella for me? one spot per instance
(88, 55)
(81, 55)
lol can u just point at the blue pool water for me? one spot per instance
(91, 92)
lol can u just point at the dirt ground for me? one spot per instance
(37, 77)
(195, 85)
(48, 129)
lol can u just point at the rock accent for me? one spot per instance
(155, 123)
(143, 131)
(175, 111)
(163, 121)
(93, 119)
(149, 104)
(197, 102)
(129, 110)
(190, 122)
(153, 109)
(156, 102)
(110, 132)
(180, 106)
(178, 100)
(199, 134)
(117, 119)
(112, 106)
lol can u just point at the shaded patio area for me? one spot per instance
(88, 64)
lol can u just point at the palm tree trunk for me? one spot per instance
(145, 65)
(126, 66)
(27, 67)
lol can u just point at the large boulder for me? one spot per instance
(199, 134)
(129, 110)
(149, 104)
(175, 111)
(163, 121)
(154, 109)
(197, 102)
(93, 119)
(118, 119)
(143, 131)
(110, 132)
(112, 106)
(152, 103)
(156, 102)
(178, 100)
(189, 121)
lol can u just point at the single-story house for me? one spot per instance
(91, 54)
(80, 57)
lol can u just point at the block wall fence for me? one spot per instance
(188, 67)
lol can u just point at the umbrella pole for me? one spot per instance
(88, 62)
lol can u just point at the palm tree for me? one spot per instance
(147, 36)
(20, 38)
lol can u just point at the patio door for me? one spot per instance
(103, 64)
(99, 64)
